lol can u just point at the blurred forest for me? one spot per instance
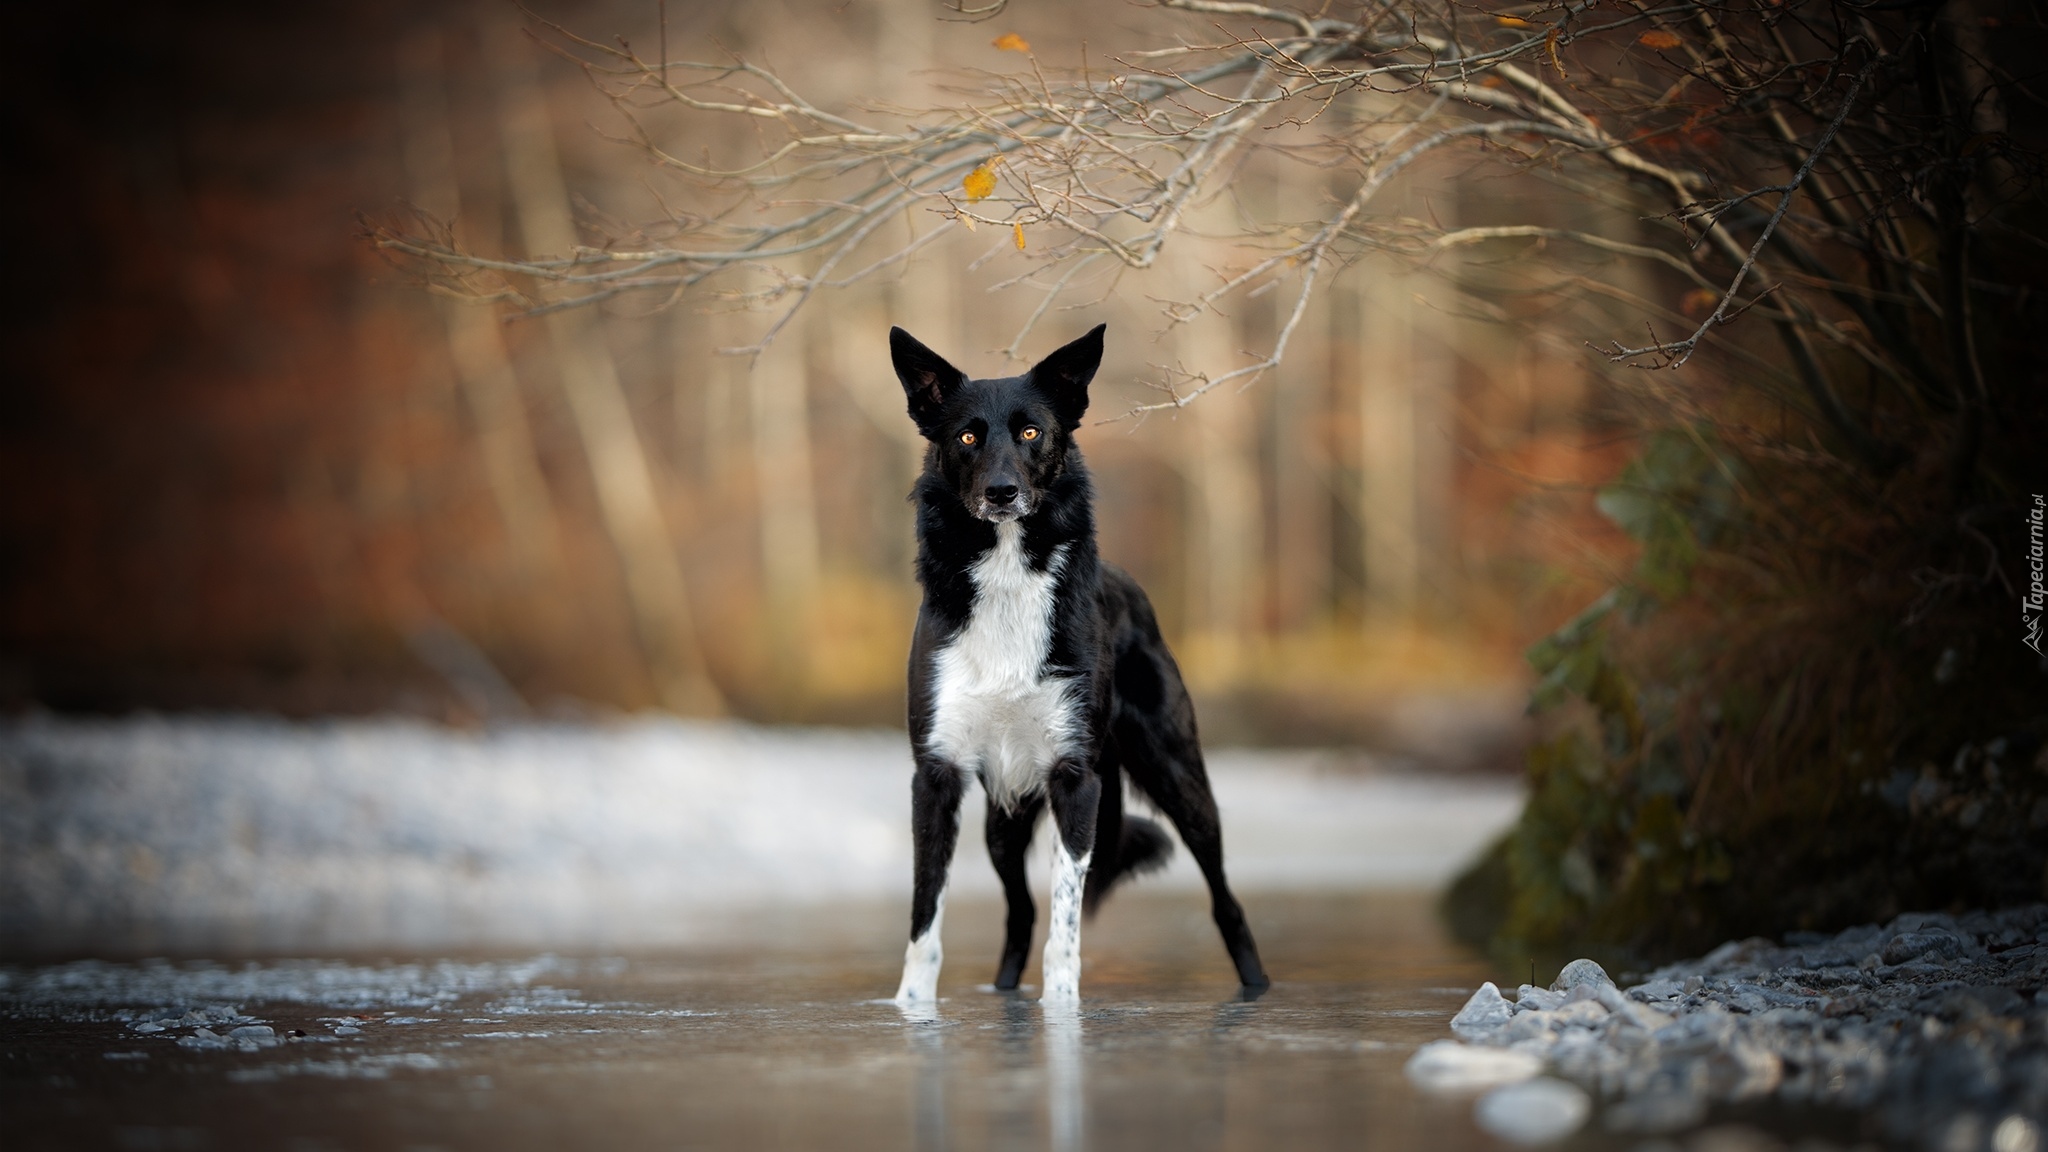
(433, 371)
(254, 465)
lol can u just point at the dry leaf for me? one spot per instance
(1660, 40)
(1017, 229)
(1512, 22)
(1699, 303)
(1011, 42)
(979, 184)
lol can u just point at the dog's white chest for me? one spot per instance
(996, 708)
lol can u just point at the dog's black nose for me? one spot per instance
(1001, 493)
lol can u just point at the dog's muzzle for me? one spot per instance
(1002, 513)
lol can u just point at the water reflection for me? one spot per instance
(928, 1044)
(1065, 1102)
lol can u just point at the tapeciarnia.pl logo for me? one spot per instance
(2036, 599)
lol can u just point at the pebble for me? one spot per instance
(1448, 1066)
(1534, 1111)
(1934, 1026)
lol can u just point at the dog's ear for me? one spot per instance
(927, 379)
(1065, 374)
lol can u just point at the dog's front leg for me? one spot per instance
(935, 793)
(1073, 790)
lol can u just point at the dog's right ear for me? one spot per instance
(927, 379)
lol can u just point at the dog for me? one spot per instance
(1040, 670)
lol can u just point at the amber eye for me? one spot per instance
(967, 438)
(1029, 433)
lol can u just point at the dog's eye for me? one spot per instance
(1029, 433)
(967, 438)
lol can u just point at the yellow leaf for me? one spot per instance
(1011, 42)
(1017, 229)
(1512, 22)
(1659, 41)
(978, 184)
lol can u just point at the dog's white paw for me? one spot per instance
(921, 962)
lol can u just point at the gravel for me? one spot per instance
(1934, 1025)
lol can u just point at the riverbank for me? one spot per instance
(1934, 1026)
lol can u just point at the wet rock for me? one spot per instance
(1580, 972)
(1535, 1111)
(1914, 945)
(1448, 1066)
(203, 1038)
(1485, 1013)
(1629, 1011)
(1658, 990)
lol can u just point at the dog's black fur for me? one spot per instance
(1133, 711)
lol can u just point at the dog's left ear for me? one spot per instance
(1065, 375)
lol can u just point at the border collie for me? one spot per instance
(1038, 669)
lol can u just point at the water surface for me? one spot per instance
(782, 1042)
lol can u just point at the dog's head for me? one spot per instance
(999, 443)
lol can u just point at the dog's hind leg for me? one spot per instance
(935, 793)
(1009, 838)
(1180, 787)
(1073, 791)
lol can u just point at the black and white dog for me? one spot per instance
(1039, 669)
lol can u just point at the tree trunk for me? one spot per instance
(1387, 365)
(1226, 476)
(780, 395)
(476, 345)
(626, 495)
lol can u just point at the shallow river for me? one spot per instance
(780, 1044)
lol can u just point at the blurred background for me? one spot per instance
(253, 465)
(253, 468)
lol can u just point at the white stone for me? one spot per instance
(1483, 1015)
(1581, 971)
(1448, 1066)
(1582, 1013)
(1534, 1112)
(2015, 1134)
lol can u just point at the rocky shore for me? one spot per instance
(1933, 1026)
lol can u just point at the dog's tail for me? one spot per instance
(1143, 847)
